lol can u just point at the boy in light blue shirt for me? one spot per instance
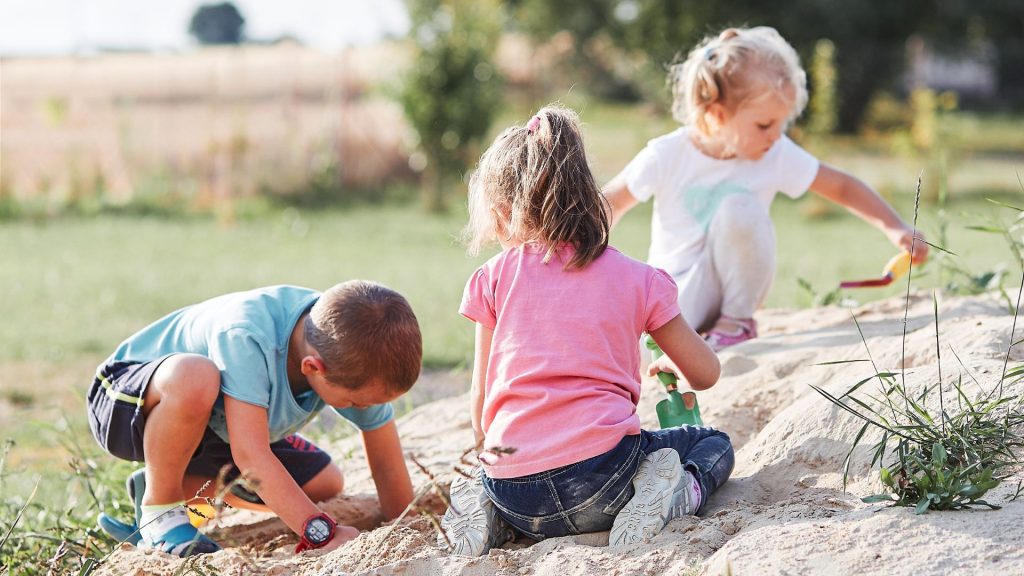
(231, 380)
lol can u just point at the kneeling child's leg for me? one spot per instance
(704, 452)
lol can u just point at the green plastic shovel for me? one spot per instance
(680, 407)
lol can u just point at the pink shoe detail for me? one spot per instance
(719, 340)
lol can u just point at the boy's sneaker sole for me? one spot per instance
(650, 508)
(471, 522)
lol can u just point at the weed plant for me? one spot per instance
(40, 536)
(956, 278)
(52, 529)
(949, 458)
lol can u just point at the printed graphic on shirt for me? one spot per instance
(701, 202)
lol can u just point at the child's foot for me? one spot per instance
(171, 532)
(135, 484)
(729, 331)
(471, 523)
(663, 491)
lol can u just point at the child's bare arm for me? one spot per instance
(387, 465)
(250, 448)
(619, 197)
(686, 355)
(859, 198)
(481, 355)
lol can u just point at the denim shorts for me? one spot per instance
(117, 422)
(586, 496)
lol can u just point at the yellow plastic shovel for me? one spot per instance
(896, 267)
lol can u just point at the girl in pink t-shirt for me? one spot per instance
(556, 377)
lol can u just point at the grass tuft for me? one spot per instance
(946, 459)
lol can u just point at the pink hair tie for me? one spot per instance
(533, 124)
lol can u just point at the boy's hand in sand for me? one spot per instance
(342, 535)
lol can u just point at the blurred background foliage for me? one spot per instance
(869, 37)
(241, 121)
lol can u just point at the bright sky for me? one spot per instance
(35, 27)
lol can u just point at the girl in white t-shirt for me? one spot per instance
(714, 179)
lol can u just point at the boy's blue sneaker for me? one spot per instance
(471, 523)
(662, 491)
(135, 485)
(172, 533)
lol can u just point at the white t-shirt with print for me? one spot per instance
(687, 187)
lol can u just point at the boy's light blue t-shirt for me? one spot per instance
(246, 335)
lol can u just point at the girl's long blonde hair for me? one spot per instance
(732, 67)
(533, 185)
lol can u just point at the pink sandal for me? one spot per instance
(719, 340)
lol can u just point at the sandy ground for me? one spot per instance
(783, 512)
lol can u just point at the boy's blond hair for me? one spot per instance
(364, 331)
(736, 65)
(533, 185)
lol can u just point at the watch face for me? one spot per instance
(318, 530)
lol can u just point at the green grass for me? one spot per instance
(73, 288)
(996, 133)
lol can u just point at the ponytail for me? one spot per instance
(534, 185)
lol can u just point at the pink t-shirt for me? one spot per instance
(563, 376)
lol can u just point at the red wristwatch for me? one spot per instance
(316, 532)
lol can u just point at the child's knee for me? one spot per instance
(723, 436)
(327, 484)
(190, 377)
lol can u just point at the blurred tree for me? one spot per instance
(217, 24)
(452, 91)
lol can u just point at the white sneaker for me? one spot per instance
(662, 492)
(472, 523)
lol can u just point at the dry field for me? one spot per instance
(204, 126)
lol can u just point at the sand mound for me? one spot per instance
(783, 512)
